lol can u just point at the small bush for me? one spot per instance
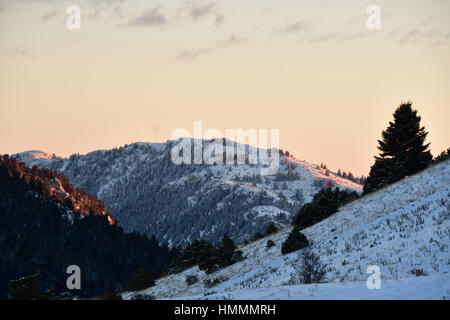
(295, 241)
(190, 280)
(141, 296)
(257, 236)
(419, 272)
(140, 280)
(270, 229)
(270, 244)
(311, 269)
(209, 283)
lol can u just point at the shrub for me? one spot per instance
(295, 241)
(209, 283)
(270, 229)
(311, 269)
(141, 296)
(140, 280)
(190, 280)
(257, 236)
(419, 272)
(270, 244)
(324, 204)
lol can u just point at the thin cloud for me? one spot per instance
(324, 37)
(219, 18)
(23, 52)
(427, 21)
(295, 27)
(232, 40)
(410, 37)
(49, 15)
(340, 36)
(197, 12)
(152, 17)
(191, 54)
(433, 35)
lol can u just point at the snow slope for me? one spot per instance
(403, 228)
(36, 154)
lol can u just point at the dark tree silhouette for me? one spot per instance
(402, 149)
(295, 241)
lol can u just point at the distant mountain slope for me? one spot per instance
(181, 203)
(39, 234)
(56, 186)
(403, 228)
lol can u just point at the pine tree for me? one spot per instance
(295, 241)
(224, 254)
(444, 155)
(404, 140)
(226, 248)
(402, 149)
(271, 228)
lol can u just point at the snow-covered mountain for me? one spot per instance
(403, 228)
(36, 154)
(148, 193)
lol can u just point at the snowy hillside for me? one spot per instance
(147, 192)
(403, 228)
(35, 154)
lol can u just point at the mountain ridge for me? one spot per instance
(182, 203)
(42, 234)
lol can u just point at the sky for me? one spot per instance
(137, 70)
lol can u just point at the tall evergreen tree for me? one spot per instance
(402, 149)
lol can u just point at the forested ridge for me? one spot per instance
(41, 232)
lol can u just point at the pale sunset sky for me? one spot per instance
(139, 69)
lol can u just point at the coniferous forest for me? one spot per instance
(41, 236)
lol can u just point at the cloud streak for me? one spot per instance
(191, 54)
(197, 12)
(49, 15)
(232, 40)
(434, 35)
(152, 17)
(295, 27)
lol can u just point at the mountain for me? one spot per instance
(148, 193)
(37, 154)
(56, 186)
(403, 228)
(46, 225)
